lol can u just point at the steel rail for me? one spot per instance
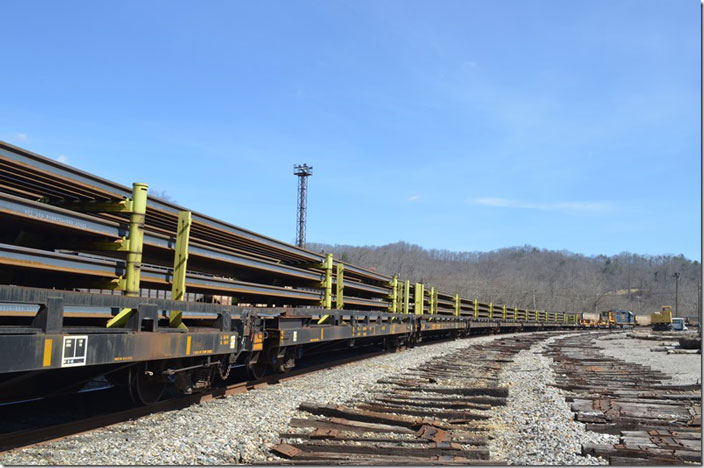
(156, 220)
(30, 176)
(27, 159)
(22, 208)
(29, 169)
(100, 267)
(86, 224)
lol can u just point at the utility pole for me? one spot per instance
(677, 292)
(699, 302)
(303, 171)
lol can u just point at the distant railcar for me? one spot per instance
(617, 318)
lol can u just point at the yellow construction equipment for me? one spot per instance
(662, 320)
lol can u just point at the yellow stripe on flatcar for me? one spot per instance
(47, 352)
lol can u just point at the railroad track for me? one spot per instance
(432, 414)
(23, 438)
(658, 423)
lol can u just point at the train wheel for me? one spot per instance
(256, 366)
(391, 342)
(146, 383)
(285, 363)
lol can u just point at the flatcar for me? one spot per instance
(100, 280)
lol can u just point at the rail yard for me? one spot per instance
(175, 313)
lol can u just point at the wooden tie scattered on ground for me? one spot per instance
(432, 414)
(658, 423)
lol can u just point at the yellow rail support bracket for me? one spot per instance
(457, 305)
(340, 290)
(327, 285)
(130, 283)
(515, 313)
(433, 304)
(407, 297)
(476, 308)
(420, 299)
(491, 310)
(394, 295)
(504, 313)
(178, 285)
(399, 297)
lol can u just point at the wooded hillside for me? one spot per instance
(560, 280)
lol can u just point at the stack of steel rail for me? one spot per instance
(66, 229)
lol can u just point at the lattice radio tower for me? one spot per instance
(302, 171)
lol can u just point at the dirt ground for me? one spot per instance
(684, 368)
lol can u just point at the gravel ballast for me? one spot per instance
(684, 368)
(237, 429)
(536, 427)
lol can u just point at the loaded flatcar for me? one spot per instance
(97, 279)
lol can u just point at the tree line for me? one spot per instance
(545, 279)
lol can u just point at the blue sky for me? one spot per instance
(460, 125)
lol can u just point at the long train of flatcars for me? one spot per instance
(100, 280)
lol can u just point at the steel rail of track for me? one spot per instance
(20, 439)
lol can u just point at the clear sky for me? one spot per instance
(460, 125)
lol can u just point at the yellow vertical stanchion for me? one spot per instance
(432, 301)
(327, 285)
(504, 313)
(457, 305)
(340, 290)
(327, 300)
(407, 297)
(419, 299)
(491, 310)
(178, 286)
(394, 295)
(133, 268)
(399, 297)
(476, 308)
